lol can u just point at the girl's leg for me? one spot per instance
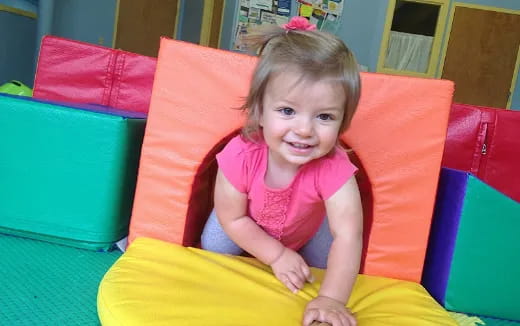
(214, 238)
(316, 251)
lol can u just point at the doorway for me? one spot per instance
(140, 24)
(481, 56)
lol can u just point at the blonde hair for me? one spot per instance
(315, 54)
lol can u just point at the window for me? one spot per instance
(412, 37)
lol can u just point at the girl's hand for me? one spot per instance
(291, 270)
(328, 310)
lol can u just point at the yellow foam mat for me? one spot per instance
(159, 283)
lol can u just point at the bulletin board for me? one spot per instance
(258, 12)
(325, 14)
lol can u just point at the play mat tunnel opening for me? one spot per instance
(201, 197)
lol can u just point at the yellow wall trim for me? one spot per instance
(18, 11)
(484, 7)
(116, 21)
(515, 79)
(205, 28)
(386, 35)
(221, 23)
(175, 29)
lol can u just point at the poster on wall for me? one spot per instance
(259, 12)
(325, 14)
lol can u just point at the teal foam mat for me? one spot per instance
(498, 322)
(47, 284)
(475, 320)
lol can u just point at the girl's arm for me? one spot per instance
(345, 216)
(231, 209)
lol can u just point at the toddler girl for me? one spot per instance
(285, 191)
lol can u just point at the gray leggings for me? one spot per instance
(315, 252)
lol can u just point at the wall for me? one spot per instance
(228, 24)
(362, 28)
(18, 35)
(363, 25)
(93, 21)
(88, 21)
(190, 20)
(26, 5)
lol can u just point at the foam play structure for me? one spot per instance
(183, 134)
(79, 72)
(70, 174)
(472, 263)
(485, 142)
(173, 197)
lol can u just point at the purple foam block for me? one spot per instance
(443, 233)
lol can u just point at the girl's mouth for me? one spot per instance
(299, 145)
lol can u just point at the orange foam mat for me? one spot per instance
(397, 136)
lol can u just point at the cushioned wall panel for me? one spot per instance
(486, 142)
(80, 72)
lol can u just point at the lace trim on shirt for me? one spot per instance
(274, 213)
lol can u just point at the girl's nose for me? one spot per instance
(304, 127)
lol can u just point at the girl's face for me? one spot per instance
(301, 119)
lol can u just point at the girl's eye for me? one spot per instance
(325, 117)
(286, 111)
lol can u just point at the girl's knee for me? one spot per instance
(316, 251)
(220, 245)
(214, 238)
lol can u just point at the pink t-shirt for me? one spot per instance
(292, 214)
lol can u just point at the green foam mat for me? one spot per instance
(475, 320)
(498, 322)
(48, 284)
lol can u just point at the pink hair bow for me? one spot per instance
(299, 23)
